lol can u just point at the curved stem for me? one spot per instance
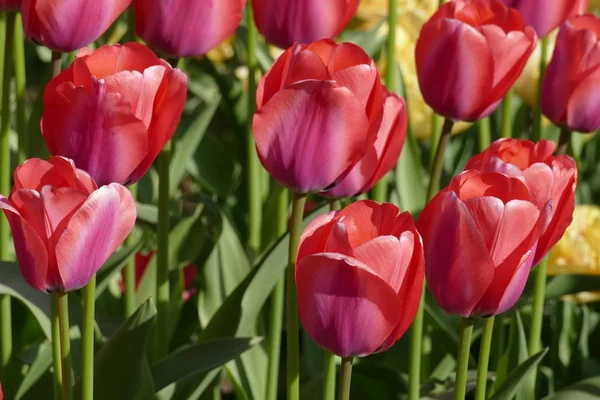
(129, 281)
(293, 351)
(438, 161)
(506, 114)
(485, 133)
(65, 345)
(464, 347)
(484, 358)
(87, 372)
(56, 352)
(563, 141)
(536, 133)
(162, 254)
(345, 378)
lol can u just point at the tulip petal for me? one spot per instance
(366, 220)
(519, 219)
(35, 173)
(339, 298)
(305, 65)
(540, 180)
(515, 288)
(94, 232)
(487, 213)
(314, 236)
(584, 103)
(110, 60)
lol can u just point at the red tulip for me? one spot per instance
(551, 180)
(480, 236)
(359, 276)
(68, 25)
(64, 227)
(9, 5)
(1, 394)
(285, 22)
(545, 15)
(382, 156)
(318, 109)
(113, 110)
(186, 28)
(468, 56)
(572, 79)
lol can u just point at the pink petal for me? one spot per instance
(519, 219)
(365, 220)
(540, 180)
(515, 288)
(315, 235)
(487, 213)
(583, 107)
(35, 173)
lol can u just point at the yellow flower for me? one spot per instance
(223, 52)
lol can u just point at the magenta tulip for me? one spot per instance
(544, 16)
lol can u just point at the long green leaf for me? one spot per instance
(587, 389)
(517, 378)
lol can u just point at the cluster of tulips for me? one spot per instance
(325, 124)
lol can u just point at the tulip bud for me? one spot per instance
(186, 28)
(572, 79)
(64, 227)
(285, 22)
(544, 16)
(469, 54)
(359, 276)
(480, 236)
(113, 110)
(68, 25)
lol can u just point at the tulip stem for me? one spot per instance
(87, 371)
(563, 141)
(506, 110)
(466, 331)
(276, 311)
(499, 342)
(484, 358)
(293, 351)
(62, 306)
(56, 349)
(55, 64)
(435, 137)
(485, 133)
(438, 161)
(537, 315)
(129, 296)
(536, 133)
(416, 351)
(345, 378)
(162, 254)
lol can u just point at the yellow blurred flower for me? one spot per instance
(593, 5)
(223, 52)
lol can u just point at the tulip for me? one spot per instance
(186, 28)
(113, 110)
(545, 16)
(9, 5)
(64, 227)
(573, 76)
(382, 156)
(318, 109)
(469, 54)
(68, 25)
(359, 277)
(286, 22)
(551, 180)
(480, 236)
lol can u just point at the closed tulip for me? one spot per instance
(382, 156)
(551, 180)
(64, 227)
(285, 22)
(113, 110)
(545, 16)
(572, 78)
(186, 28)
(68, 25)
(480, 236)
(9, 5)
(359, 276)
(319, 109)
(469, 54)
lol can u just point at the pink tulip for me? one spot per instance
(68, 25)
(113, 110)
(545, 15)
(469, 54)
(64, 227)
(319, 108)
(285, 22)
(359, 276)
(186, 28)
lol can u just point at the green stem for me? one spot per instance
(87, 371)
(416, 347)
(276, 311)
(563, 141)
(506, 114)
(536, 134)
(130, 36)
(498, 345)
(485, 133)
(65, 344)
(537, 316)
(438, 161)
(466, 331)
(434, 139)
(484, 358)
(253, 168)
(21, 90)
(293, 325)
(129, 296)
(56, 352)
(55, 64)
(345, 378)
(162, 254)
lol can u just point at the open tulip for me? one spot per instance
(572, 78)
(186, 28)
(469, 54)
(551, 181)
(113, 110)
(382, 156)
(285, 22)
(480, 236)
(68, 25)
(9, 5)
(359, 276)
(545, 15)
(319, 109)
(64, 227)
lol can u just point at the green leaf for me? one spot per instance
(587, 389)
(516, 352)
(198, 358)
(561, 285)
(37, 369)
(121, 370)
(517, 378)
(216, 167)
